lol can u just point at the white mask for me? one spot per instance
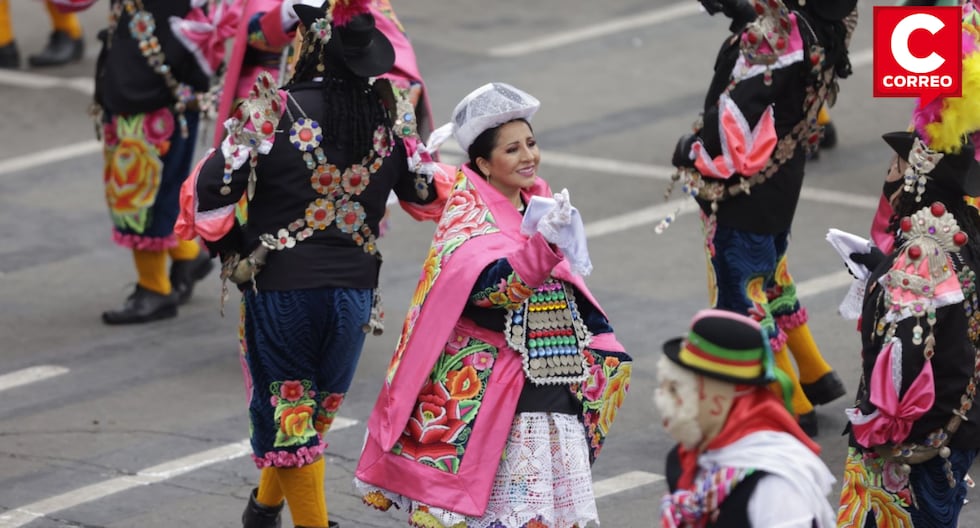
(676, 399)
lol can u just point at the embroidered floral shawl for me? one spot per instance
(478, 226)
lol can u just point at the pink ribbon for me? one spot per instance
(893, 420)
(205, 35)
(744, 151)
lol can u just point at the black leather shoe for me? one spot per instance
(185, 273)
(9, 56)
(829, 138)
(808, 422)
(142, 306)
(825, 390)
(257, 515)
(61, 49)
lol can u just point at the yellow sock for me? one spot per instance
(185, 250)
(808, 358)
(824, 116)
(303, 488)
(801, 405)
(270, 492)
(151, 270)
(6, 25)
(66, 22)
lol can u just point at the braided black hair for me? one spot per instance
(355, 108)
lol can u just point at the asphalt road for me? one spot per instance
(141, 426)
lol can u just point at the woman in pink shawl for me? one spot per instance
(504, 353)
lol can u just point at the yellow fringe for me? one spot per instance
(960, 115)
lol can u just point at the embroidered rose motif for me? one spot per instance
(463, 214)
(436, 417)
(296, 421)
(291, 390)
(463, 384)
(332, 402)
(479, 361)
(893, 478)
(517, 292)
(132, 177)
(595, 385)
(158, 127)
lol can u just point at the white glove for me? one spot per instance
(553, 226)
(288, 15)
(559, 223)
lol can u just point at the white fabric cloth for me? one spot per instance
(801, 474)
(489, 106)
(846, 243)
(544, 474)
(561, 224)
(288, 15)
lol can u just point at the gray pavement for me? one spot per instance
(138, 397)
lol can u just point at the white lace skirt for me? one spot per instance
(544, 480)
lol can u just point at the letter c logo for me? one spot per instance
(900, 43)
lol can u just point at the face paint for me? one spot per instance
(693, 408)
(677, 401)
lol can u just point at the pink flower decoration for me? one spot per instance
(479, 361)
(158, 126)
(595, 384)
(291, 390)
(893, 478)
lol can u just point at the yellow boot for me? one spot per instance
(802, 407)
(817, 378)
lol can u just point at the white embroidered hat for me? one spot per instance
(489, 106)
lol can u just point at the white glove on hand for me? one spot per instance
(553, 226)
(288, 15)
(559, 223)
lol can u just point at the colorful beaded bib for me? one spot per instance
(548, 331)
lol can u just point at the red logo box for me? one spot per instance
(917, 52)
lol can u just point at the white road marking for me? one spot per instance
(52, 155)
(22, 79)
(610, 27)
(17, 517)
(30, 375)
(626, 481)
(824, 283)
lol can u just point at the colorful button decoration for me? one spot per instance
(547, 329)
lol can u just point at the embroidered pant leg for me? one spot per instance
(742, 266)
(302, 347)
(791, 317)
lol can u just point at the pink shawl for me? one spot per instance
(478, 226)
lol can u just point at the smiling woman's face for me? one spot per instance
(513, 163)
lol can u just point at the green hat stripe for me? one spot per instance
(748, 355)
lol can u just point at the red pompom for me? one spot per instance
(937, 209)
(915, 252)
(344, 10)
(906, 224)
(960, 238)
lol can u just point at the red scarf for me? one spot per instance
(759, 410)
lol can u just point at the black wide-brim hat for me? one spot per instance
(359, 44)
(826, 10)
(726, 346)
(958, 172)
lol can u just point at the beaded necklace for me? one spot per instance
(142, 26)
(335, 187)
